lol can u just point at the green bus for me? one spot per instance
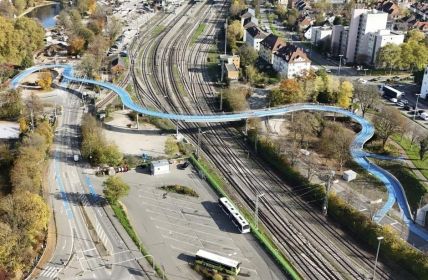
(217, 262)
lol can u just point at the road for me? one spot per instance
(81, 224)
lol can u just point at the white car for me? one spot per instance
(424, 116)
(393, 100)
(362, 81)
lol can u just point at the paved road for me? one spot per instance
(81, 223)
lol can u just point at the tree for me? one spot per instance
(235, 98)
(115, 188)
(367, 96)
(11, 104)
(89, 66)
(415, 35)
(113, 28)
(20, 5)
(304, 125)
(389, 56)
(335, 142)
(234, 33)
(423, 147)
(5, 72)
(6, 9)
(171, 147)
(345, 94)
(236, 8)
(388, 122)
(289, 91)
(247, 55)
(76, 45)
(45, 80)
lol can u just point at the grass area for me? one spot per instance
(130, 89)
(412, 152)
(217, 183)
(198, 32)
(180, 190)
(412, 186)
(123, 219)
(177, 79)
(158, 30)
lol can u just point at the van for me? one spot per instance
(424, 116)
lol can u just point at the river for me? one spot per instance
(46, 14)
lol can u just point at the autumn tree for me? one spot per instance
(113, 28)
(289, 91)
(236, 8)
(388, 122)
(90, 66)
(345, 94)
(45, 80)
(11, 104)
(367, 96)
(235, 32)
(76, 45)
(115, 188)
(335, 142)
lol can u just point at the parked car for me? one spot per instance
(393, 100)
(424, 116)
(405, 101)
(184, 165)
(407, 107)
(362, 81)
(400, 104)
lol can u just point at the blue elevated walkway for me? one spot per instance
(393, 186)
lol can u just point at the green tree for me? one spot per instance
(89, 65)
(236, 8)
(367, 96)
(345, 94)
(389, 56)
(247, 54)
(423, 147)
(235, 98)
(11, 104)
(20, 5)
(113, 28)
(415, 35)
(234, 33)
(115, 188)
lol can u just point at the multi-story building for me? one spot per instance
(254, 36)
(291, 61)
(269, 46)
(380, 39)
(320, 35)
(363, 22)
(339, 40)
(424, 88)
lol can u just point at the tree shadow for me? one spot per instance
(82, 199)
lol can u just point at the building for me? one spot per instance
(291, 61)
(246, 26)
(282, 2)
(363, 22)
(321, 35)
(254, 36)
(424, 88)
(380, 39)
(248, 16)
(339, 40)
(389, 7)
(9, 131)
(159, 167)
(421, 9)
(230, 66)
(268, 46)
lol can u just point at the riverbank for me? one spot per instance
(46, 3)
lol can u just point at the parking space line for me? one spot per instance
(169, 203)
(182, 250)
(197, 231)
(181, 241)
(188, 222)
(163, 208)
(169, 197)
(182, 215)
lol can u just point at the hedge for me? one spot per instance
(260, 236)
(356, 224)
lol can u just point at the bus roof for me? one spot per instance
(217, 258)
(234, 211)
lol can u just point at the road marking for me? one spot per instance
(50, 272)
(60, 184)
(182, 250)
(197, 231)
(168, 203)
(187, 222)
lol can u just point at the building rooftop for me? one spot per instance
(255, 32)
(231, 67)
(272, 42)
(292, 54)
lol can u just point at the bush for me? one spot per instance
(180, 190)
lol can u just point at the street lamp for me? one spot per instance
(416, 106)
(377, 255)
(199, 141)
(256, 211)
(340, 62)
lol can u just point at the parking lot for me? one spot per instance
(173, 227)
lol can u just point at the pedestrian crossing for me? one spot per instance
(49, 272)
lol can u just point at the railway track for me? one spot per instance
(315, 247)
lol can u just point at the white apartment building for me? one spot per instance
(254, 36)
(320, 34)
(363, 22)
(380, 39)
(291, 61)
(424, 88)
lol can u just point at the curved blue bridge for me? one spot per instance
(395, 190)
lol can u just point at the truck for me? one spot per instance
(390, 92)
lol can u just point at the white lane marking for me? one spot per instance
(182, 250)
(187, 222)
(168, 203)
(224, 237)
(181, 241)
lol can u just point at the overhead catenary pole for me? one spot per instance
(225, 37)
(256, 210)
(340, 63)
(377, 255)
(199, 142)
(328, 186)
(416, 106)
